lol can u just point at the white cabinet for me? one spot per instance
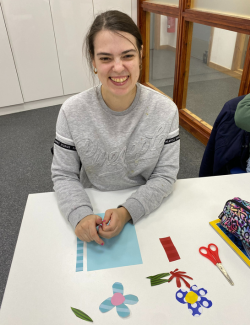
(10, 92)
(31, 35)
(121, 5)
(71, 20)
(41, 42)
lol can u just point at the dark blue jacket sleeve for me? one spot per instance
(225, 143)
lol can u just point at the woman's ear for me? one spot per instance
(141, 51)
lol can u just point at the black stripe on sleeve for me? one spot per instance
(167, 141)
(64, 145)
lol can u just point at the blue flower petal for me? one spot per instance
(106, 305)
(195, 309)
(117, 287)
(194, 288)
(131, 299)
(202, 292)
(122, 310)
(205, 302)
(180, 295)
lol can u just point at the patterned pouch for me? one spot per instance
(235, 217)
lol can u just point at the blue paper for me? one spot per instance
(122, 250)
(79, 256)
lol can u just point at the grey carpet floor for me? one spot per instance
(26, 139)
(206, 98)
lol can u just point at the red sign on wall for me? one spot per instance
(171, 25)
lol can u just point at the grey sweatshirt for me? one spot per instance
(108, 150)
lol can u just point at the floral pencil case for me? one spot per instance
(235, 217)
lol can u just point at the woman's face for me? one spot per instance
(117, 62)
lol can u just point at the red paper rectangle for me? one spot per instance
(170, 249)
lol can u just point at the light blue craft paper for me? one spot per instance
(79, 256)
(122, 250)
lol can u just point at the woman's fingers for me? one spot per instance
(86, 229)
(83, 236)
(98, 220)
(111, 217)
(107, 234)
(107, 217)
(94, 235)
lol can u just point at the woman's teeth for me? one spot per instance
(119, 79)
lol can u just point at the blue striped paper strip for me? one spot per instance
(79, 256)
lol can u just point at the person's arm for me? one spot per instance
(242, 114)
(72, 199)
(149, 197)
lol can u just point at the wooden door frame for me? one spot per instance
(186, 17)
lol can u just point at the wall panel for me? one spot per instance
(10, 92)
(121, 5)
(71, 20)
(31, 35)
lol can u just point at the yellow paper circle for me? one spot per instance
(191, 297)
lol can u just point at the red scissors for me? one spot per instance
(213, 256)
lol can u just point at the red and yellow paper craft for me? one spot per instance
(179, 275)
(194, 297)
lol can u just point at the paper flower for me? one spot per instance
(179, 275)
(195, 300)
(119, 301)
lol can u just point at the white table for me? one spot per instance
(43, 284)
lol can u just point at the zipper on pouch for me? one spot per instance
(239, 204)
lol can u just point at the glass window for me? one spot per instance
(228, 7)
(163, 33)
(215, 70)
(166, 2)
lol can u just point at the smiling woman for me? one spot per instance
(117, 66)
(114, 49)
(117, 135)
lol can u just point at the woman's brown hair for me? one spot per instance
(115, 21)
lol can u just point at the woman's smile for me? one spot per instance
(117, 62)
(119, 81)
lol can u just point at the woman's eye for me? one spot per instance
(129, 56)
(104, 59)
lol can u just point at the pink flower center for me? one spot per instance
(117, 299)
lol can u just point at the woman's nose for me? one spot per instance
(118, 66)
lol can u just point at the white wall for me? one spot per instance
(10, 91)
(165, 37)
(71, 21)
(223, 46)
(121, 5)
(32, 40)
(42, 49)
(233, 7)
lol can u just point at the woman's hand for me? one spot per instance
(117, 219)
(86, 229)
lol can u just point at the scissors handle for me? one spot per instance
(214, 252)
(212, 255)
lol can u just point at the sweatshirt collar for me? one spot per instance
(126, 111)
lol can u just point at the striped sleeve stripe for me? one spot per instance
(64, 145)
(171, 140)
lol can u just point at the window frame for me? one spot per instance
(186, 17)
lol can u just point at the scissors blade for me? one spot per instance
(224, 272)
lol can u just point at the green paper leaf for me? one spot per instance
(158, 276)
(157, 282)
(81, 314)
